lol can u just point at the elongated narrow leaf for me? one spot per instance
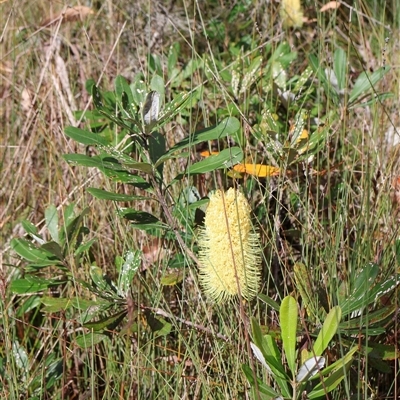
(273, 359)
(20, 356)
(225, 159)
(97, 98)
(29, 252)
(85, 137)
(54, 304)
(310, 368)
(340, 66)
(105, 195)
(138, 217)
(328, 330)
(227, 127)
(288, 319)
(337, 365)
(260, 357)
(121, 87)
(125, 160)
(88, 340)
(269, 349)
(365, 83)
(51, 217)
(32, 284)
(358, 299)
(29, 227)
(106, 322)
(334, 379)
(53, 248)
(262, 387)
(96, 161)
(128, 270)
(266, 299)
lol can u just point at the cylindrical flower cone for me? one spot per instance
(230, 254)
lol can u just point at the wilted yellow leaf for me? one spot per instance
(207, 153)
(259, 170)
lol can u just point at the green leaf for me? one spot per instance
(304, 286)
(20, 355)
(29, 304)
(125, 160)
(32, 284)
(89, 340)
(51, 218)
(266, 299)
(225, 159)
(262, 387)
(328, 330)
(273, 359)
(97, 98)
(157, 84)
(54, 372)
(317, 67)
(288, 320)
(157, 324)
(100, 162)
(227, 127)
(29, 228)
(109, 322)
(73, 229)
(53, 248)
(53, 304)
(365, 83)
(122, 87)
(101, 281)
(173, 108)
(397, 249)
(29, 252)
(340, 66)
(83, 247)
(172, 278)
(84, 304)
(105, 195)
(85, 137)
(138, 217)
(157, 147)
(330, 383)
(271, 355)
(362, 287)
(128, 271)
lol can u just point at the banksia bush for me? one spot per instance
(229, 248)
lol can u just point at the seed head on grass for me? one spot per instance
(229, 248)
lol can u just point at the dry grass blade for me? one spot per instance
(77, 13)
(331, 5)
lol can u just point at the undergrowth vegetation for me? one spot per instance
(122, 122)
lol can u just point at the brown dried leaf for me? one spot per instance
(26, 99)
(396, 192)
(331, 5)
(77, 13)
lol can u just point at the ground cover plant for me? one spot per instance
(200, 200)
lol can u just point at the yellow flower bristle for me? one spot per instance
(291, 14)
(229, 248)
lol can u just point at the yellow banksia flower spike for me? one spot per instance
(291, 14)
(230, 255)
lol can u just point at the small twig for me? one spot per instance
(202, 328)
